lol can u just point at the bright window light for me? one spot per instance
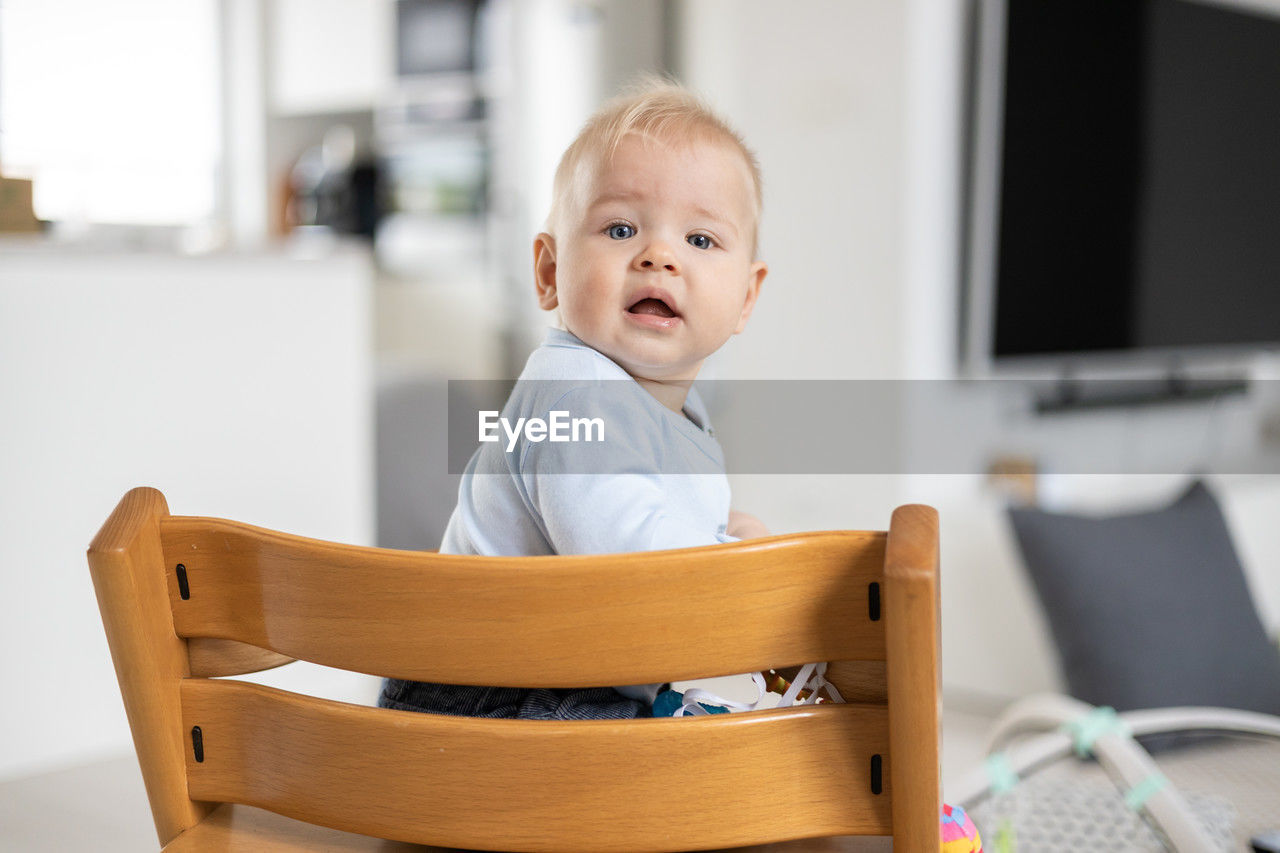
(112, 108)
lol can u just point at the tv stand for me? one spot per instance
(1070, 393)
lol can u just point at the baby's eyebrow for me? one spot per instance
(717, 218)
(612, 197)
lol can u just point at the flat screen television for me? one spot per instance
(1125, 181)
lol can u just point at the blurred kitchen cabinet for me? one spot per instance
(330, 55)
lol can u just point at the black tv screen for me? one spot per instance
(1139, 178)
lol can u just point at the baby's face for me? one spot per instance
(653, 263)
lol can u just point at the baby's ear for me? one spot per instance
(755, 278)
(544, 270)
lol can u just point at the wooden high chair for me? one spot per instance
(230, 765)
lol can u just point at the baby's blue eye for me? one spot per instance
(621, 231)
(699, 241)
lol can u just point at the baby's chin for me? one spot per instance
(646, 360)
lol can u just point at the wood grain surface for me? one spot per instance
(211, 658)
(534, 785)
(257, 598)
(245, 829)
(150, 659)
(535, 621)
(911, 614)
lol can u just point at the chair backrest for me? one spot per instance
(185, 598)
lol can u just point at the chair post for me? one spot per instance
(127, 564)
(911, 651)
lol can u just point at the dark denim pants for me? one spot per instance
(526, 703)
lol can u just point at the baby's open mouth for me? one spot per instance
(656, 307)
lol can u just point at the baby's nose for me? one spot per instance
(657, 257)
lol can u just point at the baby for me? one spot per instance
(649, 254)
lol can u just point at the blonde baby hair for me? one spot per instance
(656, 108)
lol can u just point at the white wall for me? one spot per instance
(817, 90)
(240, 386)
(330, 55)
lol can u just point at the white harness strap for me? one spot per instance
(696, 697)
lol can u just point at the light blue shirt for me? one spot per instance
(657, 482)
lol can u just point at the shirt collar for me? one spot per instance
(562, 338)
(694, 409)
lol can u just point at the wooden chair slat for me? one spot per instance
(547, 621)
(635, 785)
(235, 828)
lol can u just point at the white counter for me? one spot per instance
(240, 385)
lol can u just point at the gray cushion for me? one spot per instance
(1151, 609)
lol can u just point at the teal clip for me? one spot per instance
(1138, 795)
(1086, 729)
(1000, 773)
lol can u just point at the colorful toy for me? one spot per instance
(959, 835)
